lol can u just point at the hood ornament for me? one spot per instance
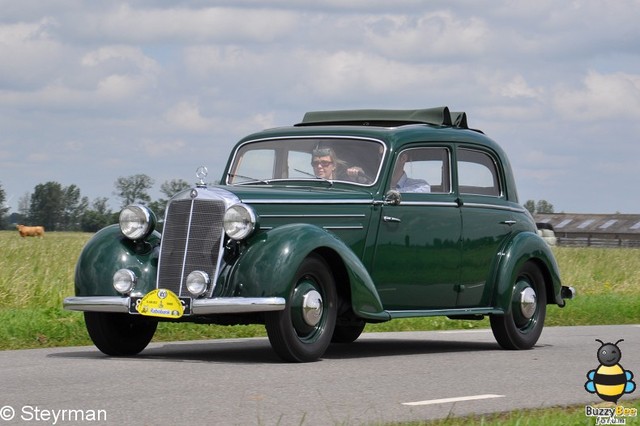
(201, 173)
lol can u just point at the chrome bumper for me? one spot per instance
(221, 305)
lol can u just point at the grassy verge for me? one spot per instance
(574, 415)
(37, 274)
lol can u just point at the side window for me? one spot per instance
(422, 170)
(477, 173)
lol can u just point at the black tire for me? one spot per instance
(119, 334)
(290, 335)
(516, 329)
(347, 333)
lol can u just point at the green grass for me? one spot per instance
(556, 416)
(37, 274)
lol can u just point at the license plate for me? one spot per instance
(160, 303)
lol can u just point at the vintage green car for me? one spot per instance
(346, 218)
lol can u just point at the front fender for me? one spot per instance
(524, 247)
(106, 252)
(267, 266)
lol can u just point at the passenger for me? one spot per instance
(402, 182)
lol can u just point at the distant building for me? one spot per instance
(598, 230)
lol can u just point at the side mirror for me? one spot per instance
(392, 198)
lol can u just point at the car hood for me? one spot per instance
(296, 194)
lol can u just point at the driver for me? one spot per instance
(326, 165)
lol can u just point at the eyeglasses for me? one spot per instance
(324, 164)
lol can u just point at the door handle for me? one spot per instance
(509, 222)
(391, 219)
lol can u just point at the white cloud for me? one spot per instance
(124, 54)
(28, 52)
(614, 95)
(186, 115)
(518, 88)
(193, 25)
(430, 35)
(167, 148)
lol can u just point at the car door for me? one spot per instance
(486, 222)
(417, 256)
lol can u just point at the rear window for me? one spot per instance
(477, 173)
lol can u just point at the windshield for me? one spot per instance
(355, 161)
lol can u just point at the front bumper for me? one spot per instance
(220, 305)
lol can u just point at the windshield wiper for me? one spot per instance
(251, 180)
(330, 182)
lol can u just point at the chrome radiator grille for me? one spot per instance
(191, 240)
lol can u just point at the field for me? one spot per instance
(37, 274)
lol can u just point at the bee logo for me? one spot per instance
(609, 381)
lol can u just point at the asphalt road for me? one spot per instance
(382, 377)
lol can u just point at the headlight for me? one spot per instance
(124, 280)
(197, 282)
(137, 221)
(239, 221)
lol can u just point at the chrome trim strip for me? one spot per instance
(305, 216)
(429, 203)
(385, 149)
(186, 248)
(447, 312)
(230, 305)
(220, 305)
(329, 227)
(342, 228)
(494, 206)
(299, 201)
(97, 304)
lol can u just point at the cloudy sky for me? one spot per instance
(92, 91)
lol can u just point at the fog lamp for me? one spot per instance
(197, 282)
(124, 280)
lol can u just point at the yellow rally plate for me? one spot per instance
(161, 303)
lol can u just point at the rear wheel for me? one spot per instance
(521, 327)
(302, 331)
(119, 334)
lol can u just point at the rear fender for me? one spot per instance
(106, 252)
(267, 266)
(524, 247)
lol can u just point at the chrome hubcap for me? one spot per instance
(312, 308)
(528, 302)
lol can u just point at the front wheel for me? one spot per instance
(119, 334)
(302, 331)
(348, 333)
(521, 327)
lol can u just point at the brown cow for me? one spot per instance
(30, 231)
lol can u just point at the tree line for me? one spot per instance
(60, 208)
(63, 208)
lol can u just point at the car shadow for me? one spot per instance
(399, 347)
(258, 350)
